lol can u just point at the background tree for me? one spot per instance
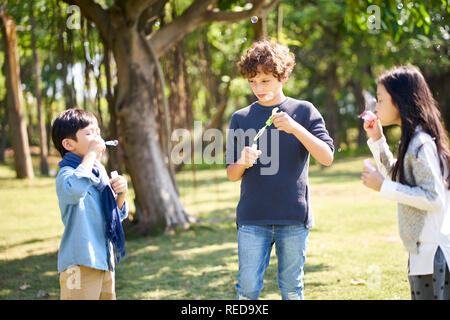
(129, 29)
(19, 137)
(97, 55)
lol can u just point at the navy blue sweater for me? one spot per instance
(275, 189)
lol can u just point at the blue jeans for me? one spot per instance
(254, 247)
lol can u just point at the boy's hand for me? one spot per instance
(374, 129)
(372, 179)
(249, 156)
(97, 146)
(119, 185)
(283, 122)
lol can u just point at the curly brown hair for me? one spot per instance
(273, 58)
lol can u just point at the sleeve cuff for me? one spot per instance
(388, 189)
(377, 143)
(124, 211)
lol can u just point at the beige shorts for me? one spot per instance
(83, 283)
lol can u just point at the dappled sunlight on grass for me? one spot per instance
(355, 231)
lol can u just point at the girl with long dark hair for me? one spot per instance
(418, 179)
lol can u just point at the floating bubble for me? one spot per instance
(400, 6)
(254, 19)
(244, 39)
(437, 47)
(371, 19)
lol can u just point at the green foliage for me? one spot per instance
(319, 33)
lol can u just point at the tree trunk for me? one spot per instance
(87, 65)
(206, 72)
(261, 28)
(3, 131)
(332, 111)
(359, 108)
(440, 88)
(159, 206)
(17, 126)
(279, 22)
(38, 94)
(68, 92)
(114, 161)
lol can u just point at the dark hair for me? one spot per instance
(411, 95)
(273, 57)
(67, 124)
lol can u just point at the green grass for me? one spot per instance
(355, 237)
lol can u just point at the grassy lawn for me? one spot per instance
(355, 237)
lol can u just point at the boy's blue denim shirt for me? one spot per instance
(84, 238)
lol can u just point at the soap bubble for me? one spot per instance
(269, 96)
(244, 39)
(399, 6)
(371, 19)
(254, 19)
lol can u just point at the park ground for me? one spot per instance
(354, 251)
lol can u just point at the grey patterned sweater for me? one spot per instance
(427, 191)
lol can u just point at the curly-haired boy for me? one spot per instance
(274, 203)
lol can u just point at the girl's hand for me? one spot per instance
(119, 185)
(372, 179)
(374, 129)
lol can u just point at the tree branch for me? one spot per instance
(96, 13)
(258, 8)
(134, 8)
(265, 10)
(149, 14)
(196, 15)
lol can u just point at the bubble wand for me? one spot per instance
(113, 143)
(261, 131)
(370, 104)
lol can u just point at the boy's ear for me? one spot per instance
(67, 144)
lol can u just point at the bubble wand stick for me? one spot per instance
(261, 131)
(113, 143)
(370, 104)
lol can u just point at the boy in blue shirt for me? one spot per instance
(92, 213)
(274, 204)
